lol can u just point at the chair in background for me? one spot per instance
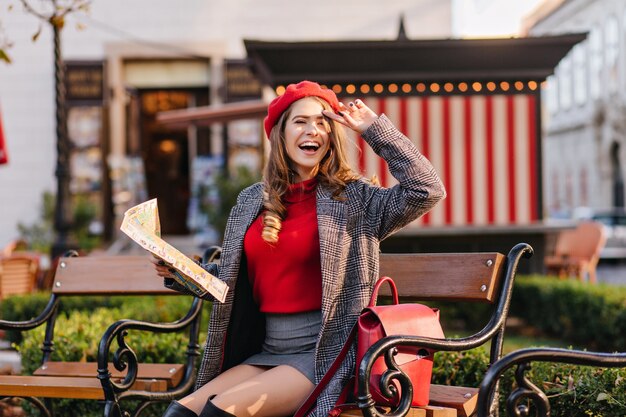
(577, 252)
(18, 275)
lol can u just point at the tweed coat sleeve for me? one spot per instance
(212, 268)
(419, 187)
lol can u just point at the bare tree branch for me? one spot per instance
(5, 45)
(30, 9)
(57, 15)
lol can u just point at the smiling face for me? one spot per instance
(306, 137)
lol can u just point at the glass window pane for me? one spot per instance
(611, 42)
(595, 62)
(551, 88)
(580, 73)
(565, 82)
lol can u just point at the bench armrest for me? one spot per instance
(46, 313)
(526, 390)
(493, 331)
(125, 358)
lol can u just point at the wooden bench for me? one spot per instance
(124, 377)
(473, 277)
(525, 392)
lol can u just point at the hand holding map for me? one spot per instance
(141, 223)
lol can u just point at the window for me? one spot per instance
(580, 73)
(551, 90)
(595, 63)
(611, 46)
(565, 82)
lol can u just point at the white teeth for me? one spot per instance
(309, 144)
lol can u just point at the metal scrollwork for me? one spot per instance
(36, 402)
(526, 390)
(389, 381)
(389, 389)
(125, 358)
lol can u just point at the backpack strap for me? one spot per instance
(309, 403)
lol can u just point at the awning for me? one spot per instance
(436, 60)
(217, 113)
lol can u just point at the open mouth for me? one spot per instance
(309, 146)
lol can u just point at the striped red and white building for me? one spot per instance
(484, 147)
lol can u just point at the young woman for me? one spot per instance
(300, 257)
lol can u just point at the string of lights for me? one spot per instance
(432, 88)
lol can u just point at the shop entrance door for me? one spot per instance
(167, 174)
(165, 153)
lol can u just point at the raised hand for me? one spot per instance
(356, 115)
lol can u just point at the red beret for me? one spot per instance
(295, 92)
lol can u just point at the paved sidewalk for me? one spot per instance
(9, 359)
(614, 274)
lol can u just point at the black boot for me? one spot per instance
(210, 410)
(177, 410)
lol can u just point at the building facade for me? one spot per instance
(149, 56)
(585, 106)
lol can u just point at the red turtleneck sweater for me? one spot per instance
(287, 277)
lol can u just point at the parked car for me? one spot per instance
(614, 221)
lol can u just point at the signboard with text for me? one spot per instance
(84, 81)
(240, 82)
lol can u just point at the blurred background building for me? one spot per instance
(585, 107)
(128, 62)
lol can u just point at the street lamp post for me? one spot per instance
(58, 10)
(62, 220)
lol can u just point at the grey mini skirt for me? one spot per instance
(290, 340)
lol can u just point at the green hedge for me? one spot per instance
(150, 308)
(591, 316)
(583, 315)
(26, 307)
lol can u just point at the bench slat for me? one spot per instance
(445, 401)
(64, 387)
(51, 387)
(468, 276)
(108, 275)
(172, 374)
(428, 411)
(461, 398)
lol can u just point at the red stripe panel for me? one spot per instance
(532, 157)
(447, 161)
(510, 114)
(490, 161)
(404, 117)
(382, 165)
(469, 186)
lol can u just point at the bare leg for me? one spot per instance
(247, 391)
(224, 381)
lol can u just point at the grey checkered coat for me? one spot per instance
(350, 232)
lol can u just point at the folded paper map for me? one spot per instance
(141, 224)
